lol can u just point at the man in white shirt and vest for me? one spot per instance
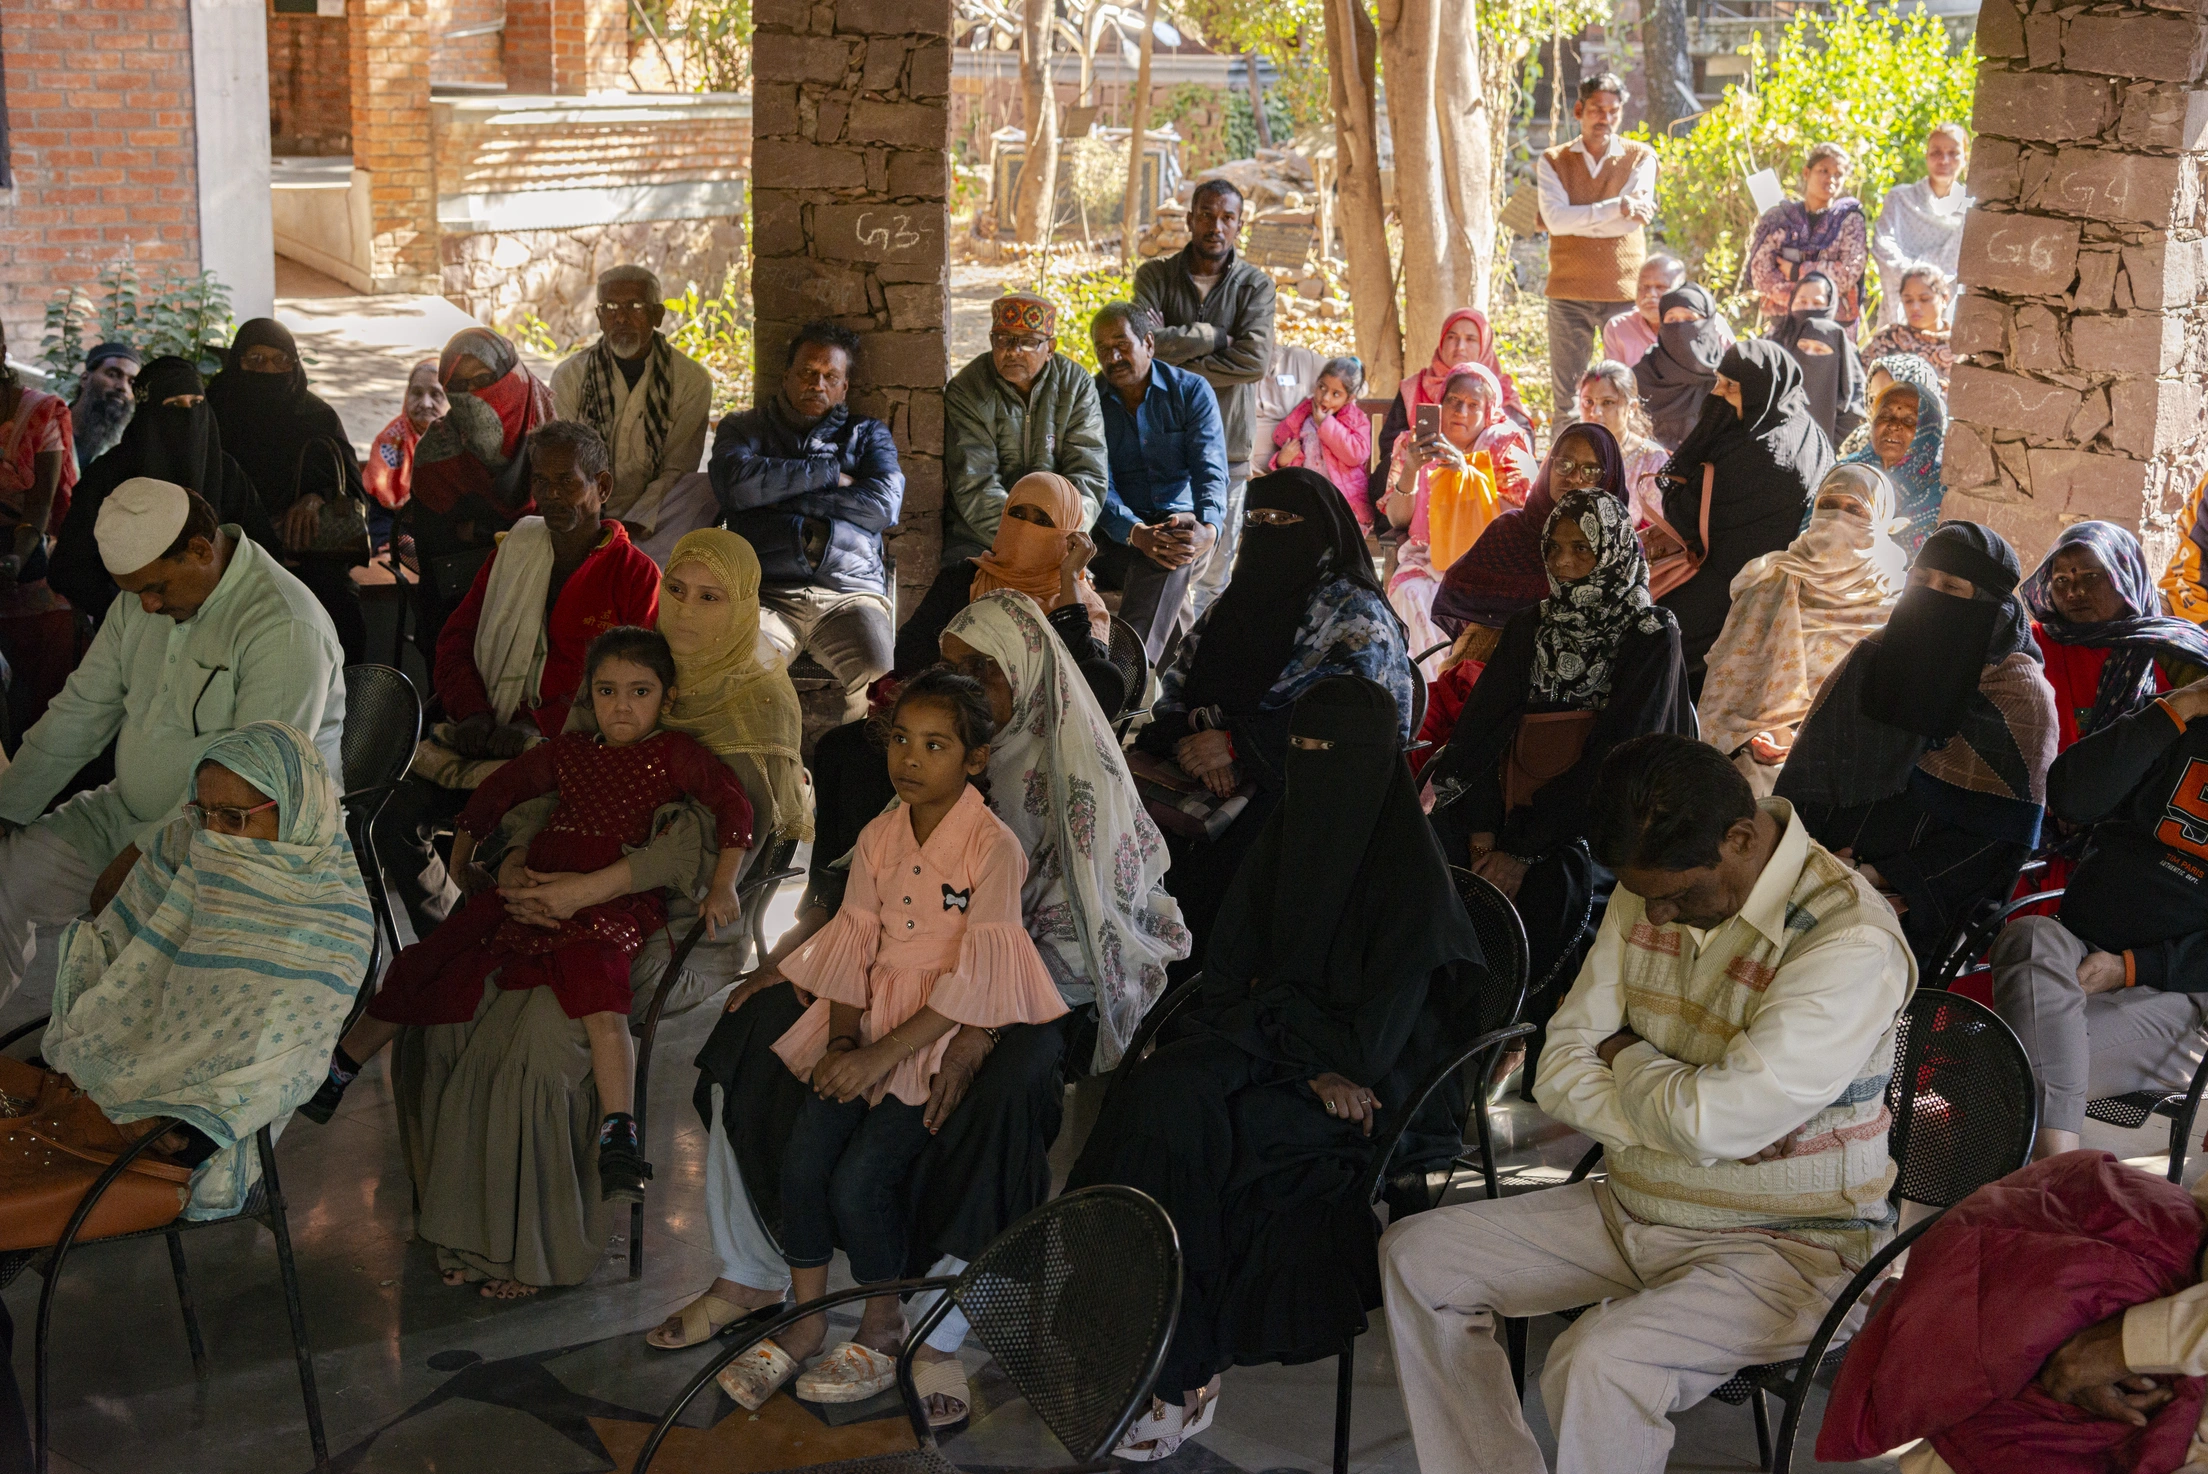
(1728, 1042)
(1598, 194)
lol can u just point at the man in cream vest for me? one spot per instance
(1728, 1042)
(1598, 193)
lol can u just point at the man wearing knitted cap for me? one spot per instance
(1023, 406)
(208, 634)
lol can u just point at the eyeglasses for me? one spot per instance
(1269, 517)
(1023, 344)
(1576, 472)
(624, 309)
(224, 816)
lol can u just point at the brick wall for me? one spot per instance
(100, 125)
(389, 50)
(566, 46)
(480, 150)
(476, 60)
(310, 103)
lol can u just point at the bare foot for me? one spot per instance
(939, 1406)
(454, 1278)
(507, 1290)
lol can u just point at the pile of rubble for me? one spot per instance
(1278, 187)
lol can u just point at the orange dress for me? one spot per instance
(923, 926)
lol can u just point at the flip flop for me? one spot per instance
(702, 1319)
(945, 1379)
(850, 1373)
(756, 1375)
(1165, 1428)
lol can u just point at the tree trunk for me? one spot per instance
(1130, 215)
(1257, 101)
(1351, 50)
(1667, 64)
(1467, 162)
(1410, 45)
(1038, 195)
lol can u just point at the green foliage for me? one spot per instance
(1077, 295)
(1196, 113)
(1289, 33)
(1242, 123)
(533, 335)
(712, 39)
(1871, 80)
(179, 314)
(716, 331)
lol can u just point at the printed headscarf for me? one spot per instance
(1917, 489)
(1026, 557)
(1095, 902)
(2134, 639)
(1503, 573)
(1575, 645)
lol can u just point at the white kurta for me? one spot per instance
(1916, 227)
(639, 480)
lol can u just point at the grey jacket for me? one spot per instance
(1227, 336)
(994, 437)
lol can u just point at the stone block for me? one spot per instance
(2051, 106)
(802, 288)
(777, 223)
(923, 483)
(902, 124)
(1981, 326)
(1996, 171)
(2029, 255)
(2000, 29)
(2165, 271)
(2035, 341)
(2163, 117)
(2090, 420)
(2096, 280)
(1964, 459)
(930, 77)
(927, 422)
(915, 305)
(893, 17)
(779, 15)
(789, 58)
(2163, 48)
(885, 63)
(2104, 184)
(920, 269)
(2153, 415)
(773, 110)
(807, 165)
(2042, 40)
(913, 360)
(2135, 343)
(879, 232)
(2003, 401)
(2029, 527)
(2078, 484)
(919, 173)
(2036, 163)
(2015, 469)
(828, 119)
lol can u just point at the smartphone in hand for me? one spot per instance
(1428, 423)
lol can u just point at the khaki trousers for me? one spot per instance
(1680, 1311)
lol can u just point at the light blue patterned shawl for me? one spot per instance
(213, 986)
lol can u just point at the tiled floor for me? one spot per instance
(417, 1377)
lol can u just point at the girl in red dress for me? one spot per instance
(609, 787)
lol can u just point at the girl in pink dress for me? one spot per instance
(928, 938)
(609, 785)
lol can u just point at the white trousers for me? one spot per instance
(748, 1254)
(1211, 580)
(44, 882)
(1679, 1313)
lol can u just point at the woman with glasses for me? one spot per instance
(1592, 664)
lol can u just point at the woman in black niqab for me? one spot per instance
(1341, 970)
(1676, 375)
(1832, 370)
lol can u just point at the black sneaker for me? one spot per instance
(325, 1101)
(621, 1165)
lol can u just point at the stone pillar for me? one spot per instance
(2081, 346)
(570, 46)
(388, 52)
(850, 208)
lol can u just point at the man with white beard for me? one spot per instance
(105, 399)
(650, 404)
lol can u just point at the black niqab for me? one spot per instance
(1930, 656)
(1832, 380)
(270, 421)
(1677, 373)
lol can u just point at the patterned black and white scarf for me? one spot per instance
(598, 404)
(1575, 648)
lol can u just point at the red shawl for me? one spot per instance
(522, 403)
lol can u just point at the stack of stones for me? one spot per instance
(2081, 345)
(850, 204)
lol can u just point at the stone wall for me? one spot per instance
(849, 207)
(498, 276)
(309, 98)
(2082, 344)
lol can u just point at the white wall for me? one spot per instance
(230, 95)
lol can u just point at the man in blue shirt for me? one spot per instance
(1167, 492)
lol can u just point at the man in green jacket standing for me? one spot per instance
(1023, 406)
(1217, 311)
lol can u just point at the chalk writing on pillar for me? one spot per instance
(897, 237)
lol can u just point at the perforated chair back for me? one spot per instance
(1965, 1109)
(1133, 663)
(1502, 942)
(383, 725)
(1077, 1303)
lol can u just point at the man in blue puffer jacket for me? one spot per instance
(812, 487)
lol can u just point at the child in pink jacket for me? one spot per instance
(1331, 435)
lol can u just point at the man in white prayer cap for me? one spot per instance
(209, 633)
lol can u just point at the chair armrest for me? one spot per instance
(1586, 1165)
(22, 1030)
(1160, 1014)
(1492, 1041)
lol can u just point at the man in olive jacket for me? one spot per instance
(1218, 316)
(1023, 406)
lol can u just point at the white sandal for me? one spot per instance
(756, 1375)
(850, 1373)
(1160, 1432)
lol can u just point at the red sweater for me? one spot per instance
(617, 584)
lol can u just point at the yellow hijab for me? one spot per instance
(723, 696)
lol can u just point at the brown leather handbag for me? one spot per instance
(1547, 745)
(54, 1144)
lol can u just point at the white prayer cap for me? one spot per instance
(138, 522)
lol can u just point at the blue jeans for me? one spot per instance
(843, 1176)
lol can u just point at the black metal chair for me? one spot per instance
(264, 1205)
(383, 726)
(756, 890)
(1076, 1302)
(1134, 667)
(2130, 1111)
